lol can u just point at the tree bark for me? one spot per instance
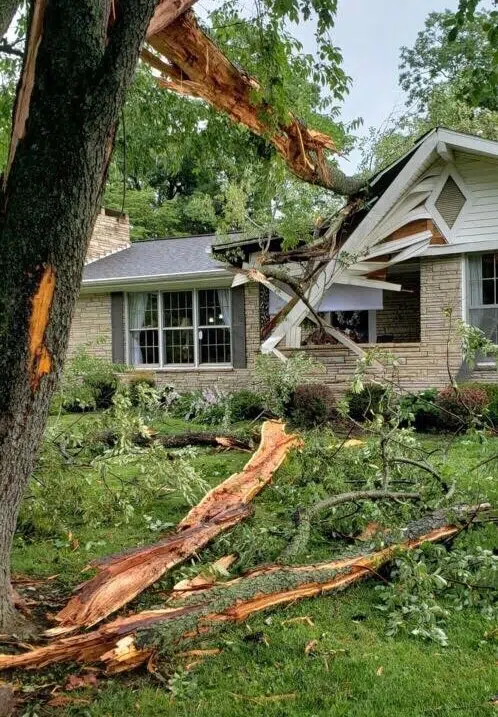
(48, 209)
(129, 641)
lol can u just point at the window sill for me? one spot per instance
(176, 369)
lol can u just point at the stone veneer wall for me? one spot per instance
(92, 326)
(400, 317)
(111, 233)
(422, 364)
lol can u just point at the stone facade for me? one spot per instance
(111, 233)
(399, 320)
(91, 326)
(421, 363)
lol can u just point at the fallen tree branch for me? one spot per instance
(305, 518)
(448, 489)
(180, 440)
(128, 642)
(121, 577)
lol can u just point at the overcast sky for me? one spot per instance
(370, 34)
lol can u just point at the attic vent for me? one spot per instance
(450, 202)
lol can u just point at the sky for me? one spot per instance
(370, 34)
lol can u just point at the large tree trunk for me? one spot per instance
(81, 63)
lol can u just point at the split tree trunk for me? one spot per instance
(84, 62)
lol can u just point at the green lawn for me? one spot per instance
(354, 668)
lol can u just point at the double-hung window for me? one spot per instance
(483, 293)
(180, 328)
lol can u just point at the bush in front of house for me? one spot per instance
(365, 404)
(461, 408)
(209, 405)
(278, 379)
(312, 404)
(420, 410)
(88, 383)
(491, 390)
(245, 405)
(138, 381)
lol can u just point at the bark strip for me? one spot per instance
(121, 577)
(128, 642)
(27, 81)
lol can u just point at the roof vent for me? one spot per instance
(450, 202)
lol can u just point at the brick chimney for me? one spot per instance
(110, 234)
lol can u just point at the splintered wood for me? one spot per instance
(191, 64)
(115, 645)
(123, 576)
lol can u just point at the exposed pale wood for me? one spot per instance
(262, 588)
(23, 98)
(166, 12)
(121, 577)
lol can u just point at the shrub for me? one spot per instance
(245, 405)
(459, 409)
(491, 390)
(88, 382)
(279, 379)
(367, 402)
(211, 405)
(312, 404)
(421, 410)
(138, 380)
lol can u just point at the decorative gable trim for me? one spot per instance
(450, 172)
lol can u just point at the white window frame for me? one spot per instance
(196, 365)
(449, 171)
(467, 306)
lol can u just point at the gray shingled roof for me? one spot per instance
(161, 258)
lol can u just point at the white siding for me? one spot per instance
(479, 220)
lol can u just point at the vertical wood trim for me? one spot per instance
(239, 357)
(117, 327)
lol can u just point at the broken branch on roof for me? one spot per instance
(193, 65)
(122, 577)
(129, 642)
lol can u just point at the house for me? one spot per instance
(422, 255)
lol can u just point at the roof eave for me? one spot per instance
(129, 281)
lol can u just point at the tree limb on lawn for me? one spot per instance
(128, 642)
(121, 577)
(302, 536)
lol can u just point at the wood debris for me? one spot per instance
(122, 577)
(202, 581)
(128, 642)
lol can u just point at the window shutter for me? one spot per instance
(117, 327)
(239, 359)
(450, 202)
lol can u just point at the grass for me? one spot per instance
(354, 668)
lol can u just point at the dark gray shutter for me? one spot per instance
(239, 359)
(117, 325)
